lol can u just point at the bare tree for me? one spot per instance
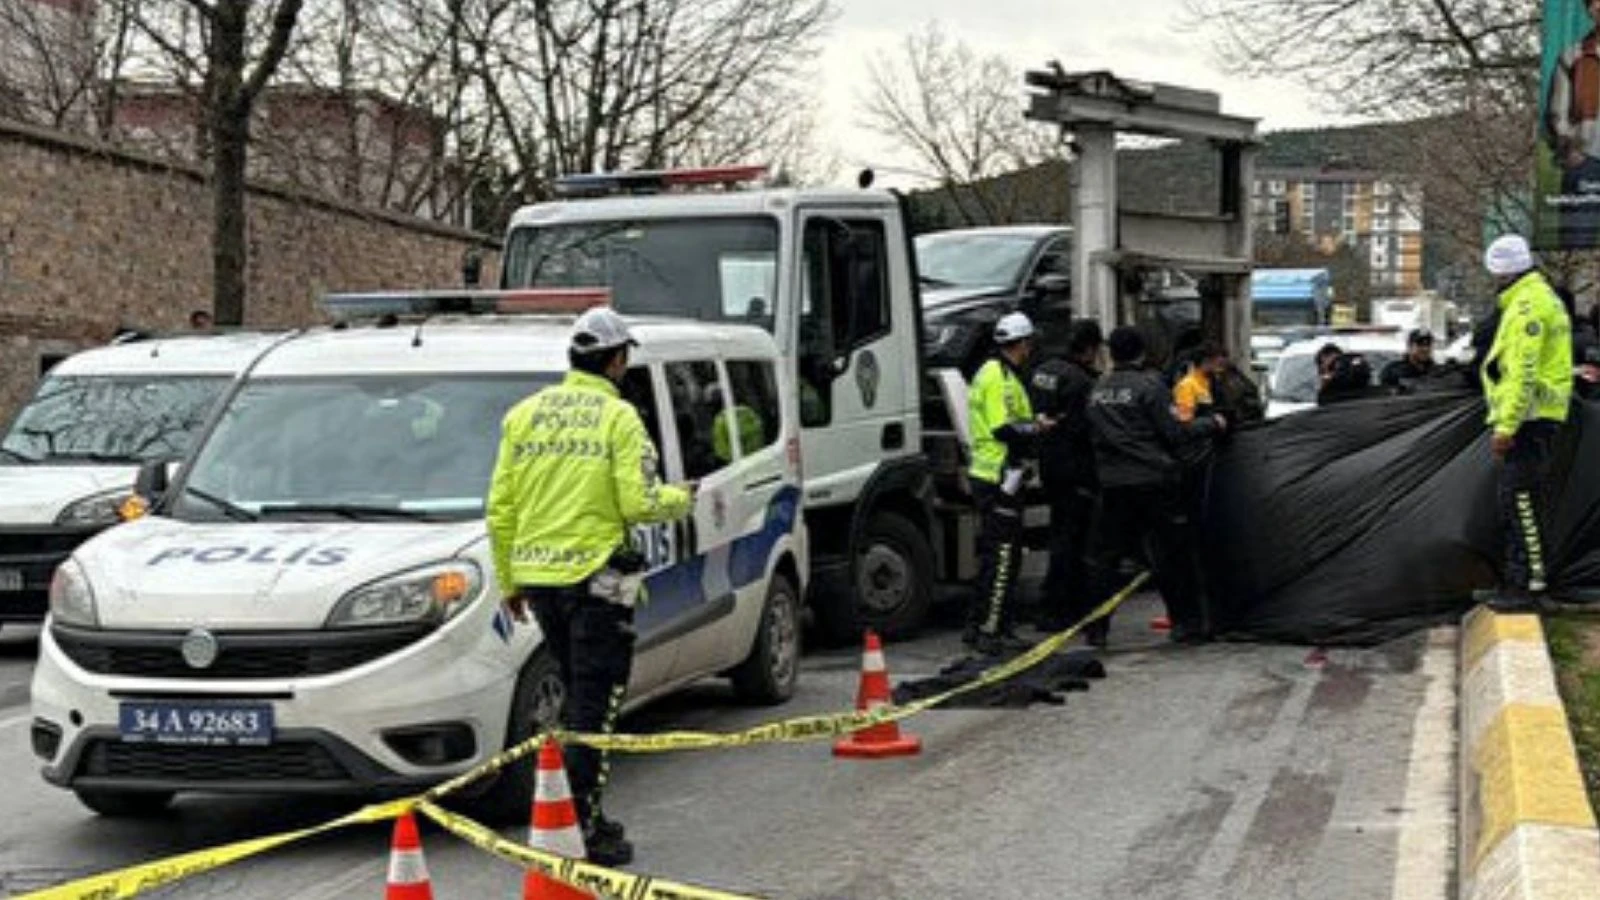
(47, 62)
(1466, 71)
(959, 115)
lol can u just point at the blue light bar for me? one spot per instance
(654, 181)
(420, 304)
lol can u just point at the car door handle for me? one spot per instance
(764, 483)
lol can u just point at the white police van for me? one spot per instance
(312, 607)
(68, 460)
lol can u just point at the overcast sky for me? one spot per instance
(1149, 40)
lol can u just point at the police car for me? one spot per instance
(311, 606)
(67, 462)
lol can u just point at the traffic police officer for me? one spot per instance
(1003, 433)
(576, 469)
(1527, 381)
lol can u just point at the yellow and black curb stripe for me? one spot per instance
(1526, 827)
(136, 880)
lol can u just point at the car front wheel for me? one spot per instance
(769, 674)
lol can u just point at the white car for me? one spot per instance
(312, 606)
(1293, 384)
(68, 460)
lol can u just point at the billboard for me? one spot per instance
(1567, 154)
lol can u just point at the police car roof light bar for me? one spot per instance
(655, 181)
(415, 304)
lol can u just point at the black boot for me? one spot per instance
(605, 844)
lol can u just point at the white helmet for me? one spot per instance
(1012, 327)
(600, 328)
(1508, 255)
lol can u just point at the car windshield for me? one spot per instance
(707, 269)
(362, 447)
(110, 419)
(1294, 380)
(954, 259)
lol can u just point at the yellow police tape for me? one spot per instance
(135, 880)
(603, 881)
(149, 876)
(789, 731)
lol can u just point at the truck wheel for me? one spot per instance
(126, 804)
(891, 582)
(768, 674)
(505, 799)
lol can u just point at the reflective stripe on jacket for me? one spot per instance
(1531, 357)
(576, 469)
(997, 399)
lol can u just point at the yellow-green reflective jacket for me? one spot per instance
(576, 468)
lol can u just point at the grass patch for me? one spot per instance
(1575, 648)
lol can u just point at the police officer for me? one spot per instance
(1004, 431)
(1527, 382)
(1060, 390)
(1417, 364)
(1137, 444)
(576, 469)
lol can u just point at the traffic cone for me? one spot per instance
(408, 871)
(554, 828)
(881, 740)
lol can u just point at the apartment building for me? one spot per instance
(1377, 214)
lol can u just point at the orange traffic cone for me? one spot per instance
(554, 828)
(408, 872)
(878, 740)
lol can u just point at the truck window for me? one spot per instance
(755, 397)
(697, 401)
(722, 269)
(845, 303)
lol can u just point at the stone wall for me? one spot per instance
(93, 239)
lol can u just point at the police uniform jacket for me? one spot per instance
(1060, 389)
(576, 468)
(1137, 435)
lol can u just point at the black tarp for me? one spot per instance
(1358, 522)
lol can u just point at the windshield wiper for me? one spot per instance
(931, 281)
(348, 510)
(230, 509)
(92, 456)
(12, 454)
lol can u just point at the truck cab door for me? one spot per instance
(857, 362)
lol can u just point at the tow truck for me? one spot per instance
(832, 274)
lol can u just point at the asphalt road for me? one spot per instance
(1222, 771)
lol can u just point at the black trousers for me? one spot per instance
(1135, 518)
(592, 642)
(1066, 583)
(1521, 498)
(1000, 556)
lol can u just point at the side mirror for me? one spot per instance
(153, 478)
(1052, 284)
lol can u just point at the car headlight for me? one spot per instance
(95, 511)
(428, 594)
(71, 598)
(938, 339)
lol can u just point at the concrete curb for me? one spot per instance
(1526, 828)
